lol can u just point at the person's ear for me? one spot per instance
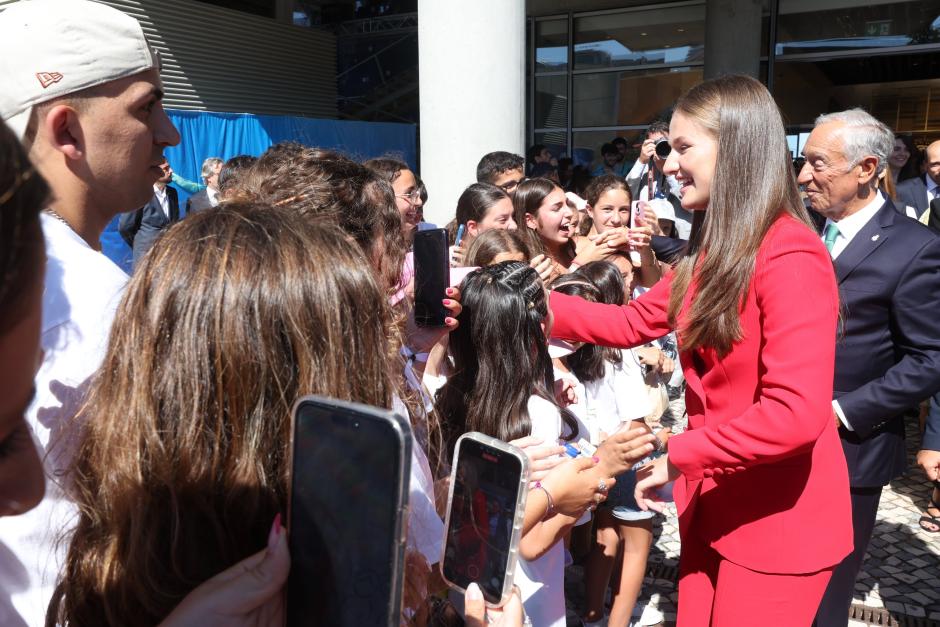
(867, 169)
(62, 131)
(530, 221)
(472, 228)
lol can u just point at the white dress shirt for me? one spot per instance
(849, 227)
(160, 193)
(933, 188)
(213, 196)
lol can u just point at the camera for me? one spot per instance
(663, 148)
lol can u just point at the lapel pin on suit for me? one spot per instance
(875, 237)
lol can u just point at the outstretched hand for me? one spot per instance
(249, 594)
(509, 615)
(422, 339)
(649, 478)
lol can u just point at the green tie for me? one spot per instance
(829, 237)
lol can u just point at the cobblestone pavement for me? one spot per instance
(901, 572)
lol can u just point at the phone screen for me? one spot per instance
(482, 512)
(347, 504)
(432, 270)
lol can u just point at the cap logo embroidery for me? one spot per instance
(48, 78)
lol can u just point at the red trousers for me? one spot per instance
(714, 592)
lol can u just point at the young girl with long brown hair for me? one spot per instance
(182, 464)
(755, 305)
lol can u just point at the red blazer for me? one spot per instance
(764, 480)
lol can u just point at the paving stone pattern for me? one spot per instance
(901, 572)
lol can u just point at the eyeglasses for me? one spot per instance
(508, 186)
(411, 197)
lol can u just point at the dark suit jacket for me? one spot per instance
(913, 193)
(888, 349)
(198, 201)
(141, 228)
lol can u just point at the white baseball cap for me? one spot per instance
(663, 209)
(52, 48)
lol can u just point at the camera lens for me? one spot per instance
(663, 148)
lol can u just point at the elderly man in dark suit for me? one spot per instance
(209, 197)
(888, 352)
(920, 191)
(141, 228)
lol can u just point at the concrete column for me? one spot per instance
(732, 37)
(471, 64)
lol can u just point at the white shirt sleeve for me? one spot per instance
(845, 422)
(635, 172)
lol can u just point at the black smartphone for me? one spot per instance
(432, 277)
(347, 528)
(485, 509)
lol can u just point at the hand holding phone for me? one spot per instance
(636, 221)
(485, 509)
(349, 496)
(432, 276)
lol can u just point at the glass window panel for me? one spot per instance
(900, 90)
(586, 150)
(833, 25)
(657, 36)
(551, 45)
(551, 101)
(555, 141)
(628, 98)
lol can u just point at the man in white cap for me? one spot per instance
(81, 87)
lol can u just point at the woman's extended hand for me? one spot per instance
(653, 357)
(648, 218)
(542, 458)
(576, 485)
(457, 256)
(619, 452)
(423, 339)
(566, 392)
(652, 476)
(509, 615)
(249, 594)
(545, 268)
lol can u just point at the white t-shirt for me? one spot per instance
(542, 581)
(618, 397)
(81, 294)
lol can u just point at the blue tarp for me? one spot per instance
(225, 135)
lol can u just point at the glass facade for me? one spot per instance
(607, 74)
(599, 75)
(662, 36)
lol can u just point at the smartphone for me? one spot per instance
(432, 276)
(485, 508)
(635, 216)
(459, 237)
(347, 527)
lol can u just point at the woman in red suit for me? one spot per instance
(761, 480)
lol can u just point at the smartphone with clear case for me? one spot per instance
(485, 508)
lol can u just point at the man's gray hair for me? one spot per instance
(862, 135)
(209, 165)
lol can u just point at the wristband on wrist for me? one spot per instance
(548, 495)
(659, 444)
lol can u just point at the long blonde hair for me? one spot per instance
(753, 185)
(182, 464)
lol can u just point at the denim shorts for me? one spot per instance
(620, 500)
